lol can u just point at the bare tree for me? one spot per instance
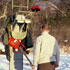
(4, 15)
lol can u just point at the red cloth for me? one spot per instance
(14, 42)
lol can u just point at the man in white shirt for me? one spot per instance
(46, 51)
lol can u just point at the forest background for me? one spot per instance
(57, 13)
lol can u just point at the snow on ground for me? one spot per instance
(2, 47)
(63, 65)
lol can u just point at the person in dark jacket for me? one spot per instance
(16, 27)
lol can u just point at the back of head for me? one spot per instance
(45, 26)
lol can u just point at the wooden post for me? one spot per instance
(20, 6)
(27, 4)
(12, 6)
(11, 61)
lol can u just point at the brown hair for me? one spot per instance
(45, 26)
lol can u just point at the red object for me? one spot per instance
(36, 8)
(14, 43)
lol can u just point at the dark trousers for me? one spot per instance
(46, 66)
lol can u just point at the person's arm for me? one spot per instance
(57, 54)
(36, 52)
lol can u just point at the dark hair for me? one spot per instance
(45, 25)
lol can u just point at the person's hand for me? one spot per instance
(56, 65)
(33, 67)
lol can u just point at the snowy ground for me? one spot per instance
(64, 62)
(63, 65)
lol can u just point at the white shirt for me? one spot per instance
(46, 49)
